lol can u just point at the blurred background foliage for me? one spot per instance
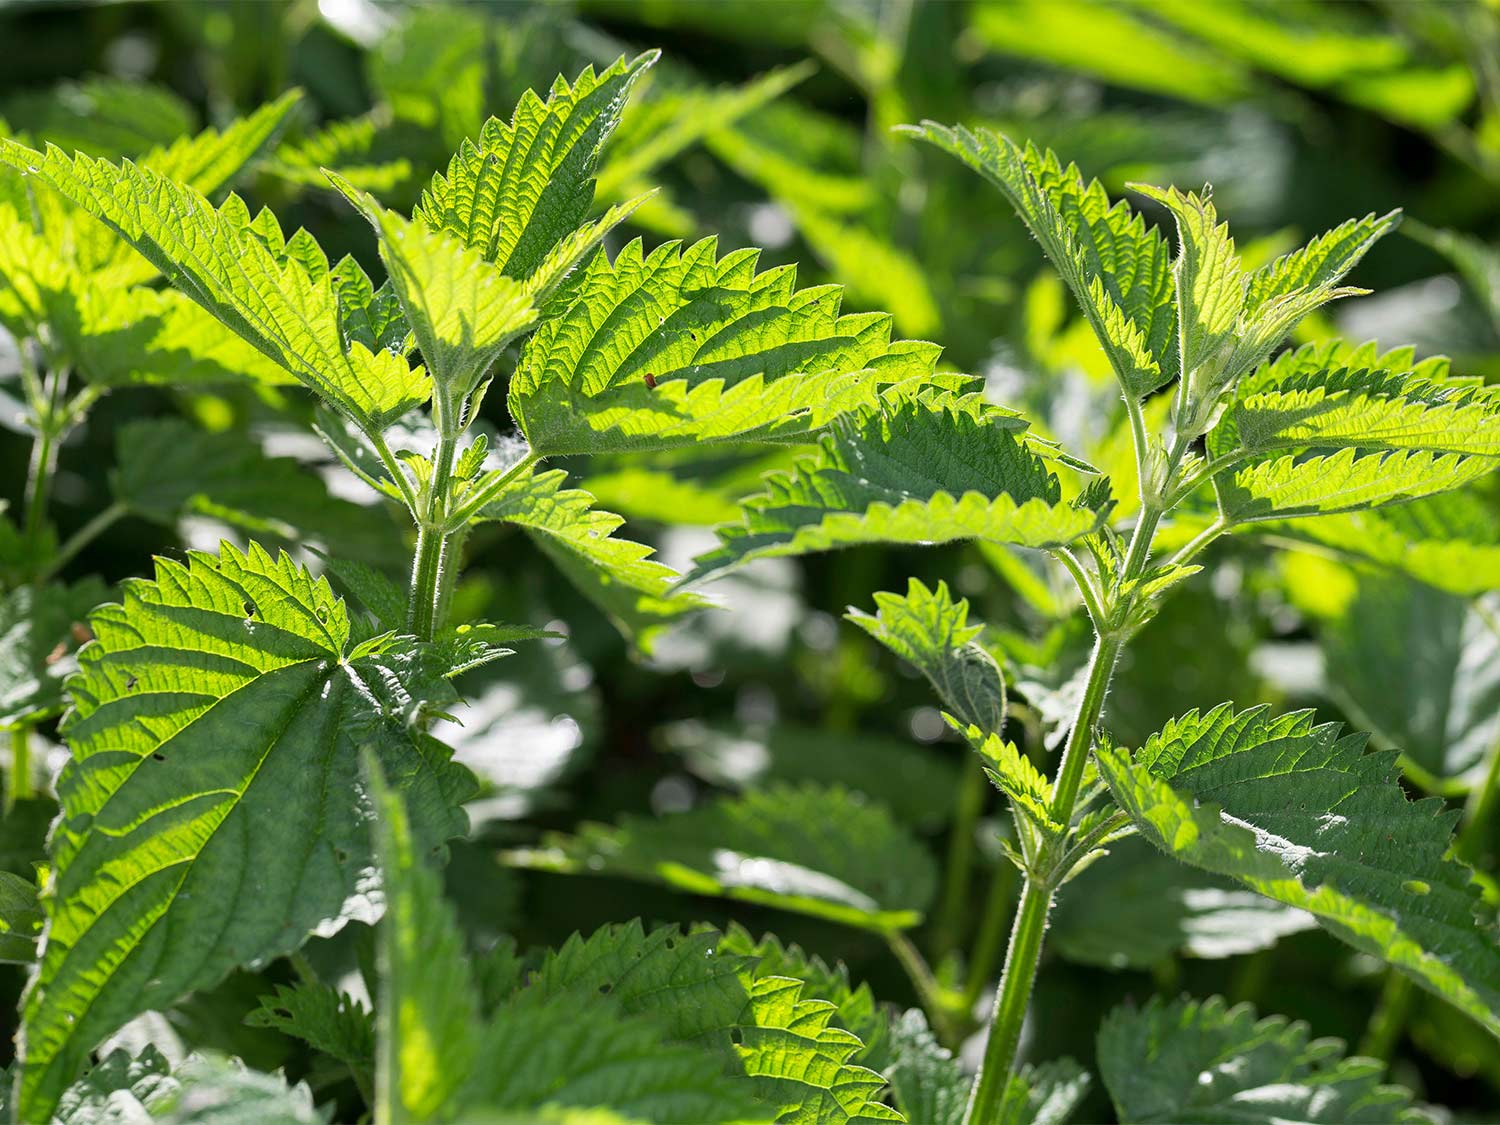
(768, 124)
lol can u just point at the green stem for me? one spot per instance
(960, 861)
(20, 765)
(990, 941)
(1389, 1020)
(39, 481)
(1479, 812)
(429, 572)
(1075, 755)
(1011, 1001)
(933, 997)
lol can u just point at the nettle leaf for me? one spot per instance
(928, 471)
(1208, 280)
(617, 575)
(40, 629)
(324, 1018)
(679, 347)
(926, 1080)
(1139, 908)
(218, 708)
(1450, 541)
(428, 1014)
(712, 991)
(1192, 1060)
(1421, 669)
(527, 185)
(929, 630)
(1301, 814)
(1116, 266)
(168, 469)
(565, 1051)
(276, 293)
(203, 1089)
(20, 919)
(808, 849)
(1345, 481)
(462, 310)
(1329, 396)
(915, 782)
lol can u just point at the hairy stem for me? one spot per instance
(39, 481)
(431, 568)
(960, 860)
(1011, 1001)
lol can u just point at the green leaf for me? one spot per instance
(275, 293)
(325, 1019)
(1477, 263)
(428, 1014)
(40, 628)
(1304, 816)
(810, 850)
(219, 705)
(1044, 1094)
(1115, 265)
(20, 919)
(1204, 1061)
(929, 630)
(928, 471)
(617, 575)
(1015, 775)
(1207, 279)
(801, 1061)
(566, 1052)
(1325, 397)
(462, 310)
(1450, 541)
(1348, 480)
(679, 347)
(103, 116)
(527, 185)
(915, 783)
(927, 1083)
(1421, 669)
(1137, 909)
(169, 469)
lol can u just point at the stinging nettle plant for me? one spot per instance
(232, 720)
(251, 762)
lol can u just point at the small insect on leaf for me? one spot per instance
(651, 380)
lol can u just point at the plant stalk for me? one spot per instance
(81, 538)
(39, 481)
(1011, 1001)
(20, 766)
(431, 568)
(960, 860)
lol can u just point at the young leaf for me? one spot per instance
(929, 630)
(269, 290)
(618, 575)
(679, 347)
(528, 184)
(1209, 283)
(191, 776)
(428, 1014)
(926, 1080)
(1194, 1060)
(1115, 265)
(1303, 815)
(462, 310)
(928, 471)
(810, 850)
